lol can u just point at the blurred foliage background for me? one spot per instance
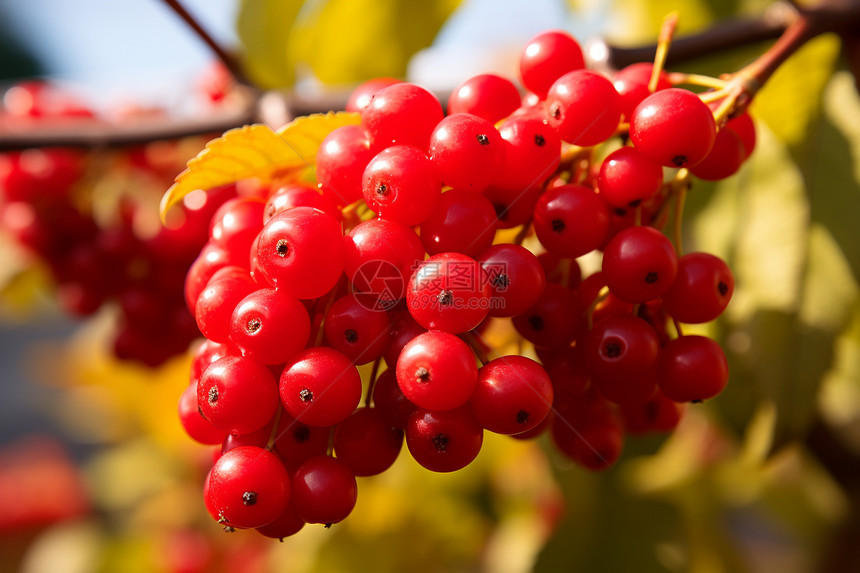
(97, 475)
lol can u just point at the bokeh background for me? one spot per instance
(97, 475)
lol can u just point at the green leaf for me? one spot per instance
(263, 27)
(349, 41)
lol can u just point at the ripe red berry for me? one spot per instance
(402, 114)
(515, 276)
(571, 220)
(627, 177)
(320, 386)
(513, 395)
(488, 96)
(447, 292)
(701, 290)
(467, 150)
(444, 441)
(692, 368)
(547, 57)
(463, 222)
(237, 394)
(673, 127)
(247, 487)
(366, 443)
(402, 184)
(341, 160)
(437, 371)
(639, 264)
(583, 107)
(269, 326)
(323, 490)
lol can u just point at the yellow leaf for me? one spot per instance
(256, 151)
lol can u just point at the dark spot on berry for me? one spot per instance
(651, 278)
(555, 111)
(445, 298)
(440, 442)
(679, 160)
(612, 349)
(723, 288)
(697, 401)
(557, 225)
(213, 394)
(382, 189)
(302, 434)
(253, 325)
(282, 248)
(350, 336)
(522, 417)
(483, 139)
(536, 322)
(271, 211)
(249, 498)
(620, 211)
(540, 140)
(306, 395)
(422, 375)
(652, 410)
(501, 280)
(635, 203)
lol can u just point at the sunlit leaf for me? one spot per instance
(256, 151)
(263, 28)
(349, 41)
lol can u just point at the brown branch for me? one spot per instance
(227, 59)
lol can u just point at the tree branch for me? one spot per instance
(227, 59)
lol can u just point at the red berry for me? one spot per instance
(366, 443)
(444, 441)
(320, 386)
(237, 394)
(547, 57)
(692, 368)
(447, 292)
(513, 395)
(488, 96)
(702, 289)
(583, 107)
(437, 371)
(639, 264)
(324, 490)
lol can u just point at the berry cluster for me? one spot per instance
(399, 254)
(54, 202)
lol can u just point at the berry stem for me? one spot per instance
(601, 296)
(372, 384)
(667, 31)
(680, 78)
(273, 435)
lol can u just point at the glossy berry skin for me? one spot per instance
(366, 443)
(692, 368)
(355, 328)
(300, 251)
(583, 107)
(467, 150)
(488, 96)
(195, 425)
(211, 258)
(639, 264)
(341, 160)
(237, 395)
(621, 354)
(215, 304)
(724, 159)
(320, 386)
(547, 57)
(591, 435)
(247, 487)
(631, 83)
(627, 178)
(446, 292)
(402, 184)
(513, 395)
(236, 224)
(403, 329)
(532, 153)
(659, 414)
(296, 441)
(444, 441)
(269, 326)
(437, 371)
(301, 195)
(323, 490)
(702, 289)
(390, 402)
(402, 114)
(744, 127)
(463, 222)
(673, 127)
(380, 256)
(285, 525)
(554, 320)
(570, 220)
(515, 276)
(361, 96)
